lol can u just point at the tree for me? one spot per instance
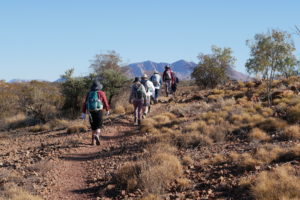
(74, 90)
(110, 73)
(212, 68)
(271, 55)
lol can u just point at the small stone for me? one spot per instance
(110, 187)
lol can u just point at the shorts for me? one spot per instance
(96, 119)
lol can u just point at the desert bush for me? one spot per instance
(278, 184)
(212, 68)
(74, 90)
(258, 134)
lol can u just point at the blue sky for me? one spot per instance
(41, 39)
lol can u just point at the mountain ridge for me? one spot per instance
(182, 68)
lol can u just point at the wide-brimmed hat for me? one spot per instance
(156, 72)
(145, 76)
(136, 79)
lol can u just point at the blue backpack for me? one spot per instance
(93, 102)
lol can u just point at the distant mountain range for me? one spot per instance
(182, 68)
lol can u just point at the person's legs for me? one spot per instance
(168, 87)
(96, 119)
(136, 112)
(97, 136)
(139, 111)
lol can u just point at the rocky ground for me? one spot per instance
(60, 165)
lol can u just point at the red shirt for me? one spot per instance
(102, 97)
(172, 75)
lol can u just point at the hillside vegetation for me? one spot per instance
(222, 143)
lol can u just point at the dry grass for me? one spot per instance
(13, 192)
(246, 182)
(128, 175)
(281, 183)
(77, 127)
(291, 132)
(159, 170)
(193, 139)
(258, 134)
(218, 158)
(153, 174)
(293, 113)
(187, 160)
(58, 123)
(147, 126)
(272, 124)
(39, 128)
(16, 121)
(151, 197)
(183, 184)
(119, 109)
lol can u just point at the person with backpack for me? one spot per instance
(169, 79)
(157, 82)
(149, 87)
(94, 104)
(174, 85)
(138, 99)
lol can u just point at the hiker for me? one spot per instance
(174, 84)
(149, 87)
(157, 82)
(137, 98)
(168, 79)
(94, 103)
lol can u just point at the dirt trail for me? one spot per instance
(73, 171)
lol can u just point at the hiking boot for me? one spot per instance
(97, 140)
(93, 141)
(139, 122)
(136, 124)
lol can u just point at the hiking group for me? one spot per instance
(143, 90)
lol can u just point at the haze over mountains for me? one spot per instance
(182, 68)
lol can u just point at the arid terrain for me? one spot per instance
(225, 143)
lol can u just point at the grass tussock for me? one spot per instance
(77, 127)
(293, 113)
(119, 109)
(291, 132)
(258, 134)
(183, 184)
(187, 160)
(281, 183)
(13, 192)
(39, 128)
(154, 172)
